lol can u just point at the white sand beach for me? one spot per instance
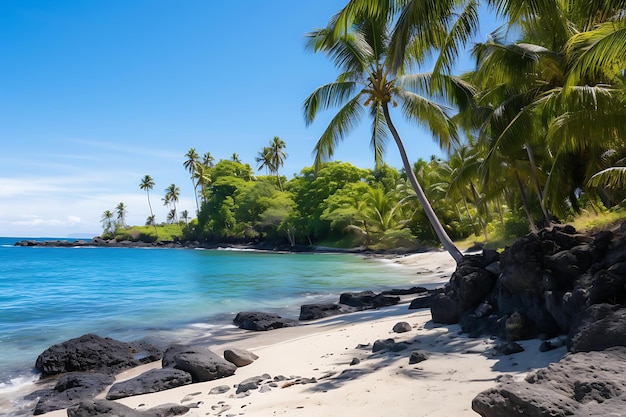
(457, 368)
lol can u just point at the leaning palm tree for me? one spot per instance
(191, 165)
(147, 183)
(369, 83)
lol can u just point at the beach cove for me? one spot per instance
(44, 305)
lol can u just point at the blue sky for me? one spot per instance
(96, 94)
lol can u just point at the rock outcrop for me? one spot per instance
(94, 353)
(154, 380)
(199, 361)
(70, 389)
(580, 385)
(106, 408)
(260, 321)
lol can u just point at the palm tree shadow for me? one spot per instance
(448, 341)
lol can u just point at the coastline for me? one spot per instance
(457, 369)
(435, 265)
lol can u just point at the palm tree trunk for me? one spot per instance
(533, 167)
(533, 227)
(152, 215)
(430, 213)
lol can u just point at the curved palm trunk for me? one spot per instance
(533, 167)
(533, 227)
(430, 213)
(152, 215)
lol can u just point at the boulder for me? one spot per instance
(581, 384)
(106, 408)
(94, 353)
(425, 299)
(319, 311)
(252, 383)
(200, 362)
(239, 357)
(367, 300)
(402, 327)
(259, 321)
(597, 328)
(444, 309)
(70, 389)
(417, 356)
(154, 380)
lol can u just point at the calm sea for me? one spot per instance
(48, 295)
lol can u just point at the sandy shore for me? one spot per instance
(381, 384)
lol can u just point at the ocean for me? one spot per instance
(49, 295)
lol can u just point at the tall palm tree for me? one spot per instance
(107, 222)
(191, 165)
(208, 160)
(172, 192)
(368, 82)
(278, 155)
(147, 183)
(120, 209)
(235, 158)
(264, 160)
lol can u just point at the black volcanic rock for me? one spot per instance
(154, 380)
(199, 361)
(94, 353)
(259, 321)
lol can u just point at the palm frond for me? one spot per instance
(380, 134)
(431, 115)
(341, 124)
(599, 54)
(459, 34)
(326, 96)
(613, 177)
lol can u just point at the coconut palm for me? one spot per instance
(235, 158)
(107, 222)
(277, 156)
(172, 192)
(191, 165)
(147, 183)
(121, 212)
(368, 82)
(208, 160)
(264, 160)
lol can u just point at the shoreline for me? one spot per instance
(382, 383)
(436, 265)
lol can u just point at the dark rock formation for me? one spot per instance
(597, 328)
(537, 286)
(252, 383)
(259, 321)
(581, 384)
(200, 362)
(425, 299)
(405, 291)
(402, 327)
(367, 300)
(70, 389)
(94, 353)
(417, 357)
(322, 310)
(239, 357)
(106, 408)
(154, 380)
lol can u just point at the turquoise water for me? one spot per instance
(48, 295)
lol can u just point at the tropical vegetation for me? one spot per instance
(534, 134)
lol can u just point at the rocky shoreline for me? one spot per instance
(558, 286)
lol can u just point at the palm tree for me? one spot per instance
(235, 158)
(151, 221)
(277, 156)
(191, 165)
(265, 160)
(203, 179)
(172, 192)
(121, 214)
(185, 216)
(107, 222)
(208, 160)
(147, 183)
(368, 81)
